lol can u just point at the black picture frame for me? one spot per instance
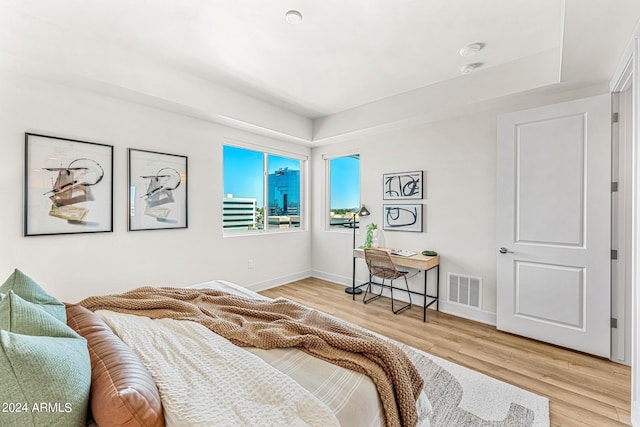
(403, 185)
(402, 217)
(158, 192)
(68, 186)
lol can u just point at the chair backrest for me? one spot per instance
(380, 264)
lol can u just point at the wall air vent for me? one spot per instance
(465, 290)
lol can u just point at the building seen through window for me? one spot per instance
(245, 182)
(284, 194)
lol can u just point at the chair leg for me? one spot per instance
(404, 307)
(368, 290)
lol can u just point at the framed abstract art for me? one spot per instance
(157, 190)
(403, 185)
(68, 186)
(406, 217)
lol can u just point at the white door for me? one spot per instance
(554, 224)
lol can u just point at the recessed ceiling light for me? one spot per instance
(466, 69)
(293, 17)
(471, 49)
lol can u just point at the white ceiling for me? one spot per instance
(346, 53)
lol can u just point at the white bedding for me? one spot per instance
(228, 387)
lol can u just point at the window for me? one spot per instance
(255, 200)
(344, 189)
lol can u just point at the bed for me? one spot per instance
(136, 370)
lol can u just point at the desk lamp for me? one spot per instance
(362, 212)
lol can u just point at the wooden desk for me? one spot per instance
(417, 261)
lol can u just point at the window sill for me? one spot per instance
(261, 232)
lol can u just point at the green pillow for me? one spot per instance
(44, 366)
(29, 290)
(22, 317)
(45, 380)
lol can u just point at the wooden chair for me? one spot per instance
(380, 265)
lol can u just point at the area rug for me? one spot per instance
(463, 397)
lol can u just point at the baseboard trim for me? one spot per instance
(468, 313)
(278, 281)
(330, 277)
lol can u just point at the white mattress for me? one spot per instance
(232, 288)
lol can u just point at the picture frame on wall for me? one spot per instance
(68, 186)
(403, 185)
(158, 197)
(405, 217)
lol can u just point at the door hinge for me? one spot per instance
(614, 117)
(614, 187)
(614, 323)
(614, 254)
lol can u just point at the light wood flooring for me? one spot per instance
(582, 390)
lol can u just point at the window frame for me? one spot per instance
(266, 151)
(327, 196)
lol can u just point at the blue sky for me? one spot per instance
(345, 183)
(243, 171)
(244, 168)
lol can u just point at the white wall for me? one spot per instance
(74, 266)
(458, 157)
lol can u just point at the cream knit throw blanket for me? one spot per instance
(281, 323)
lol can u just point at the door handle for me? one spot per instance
(504, 250)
